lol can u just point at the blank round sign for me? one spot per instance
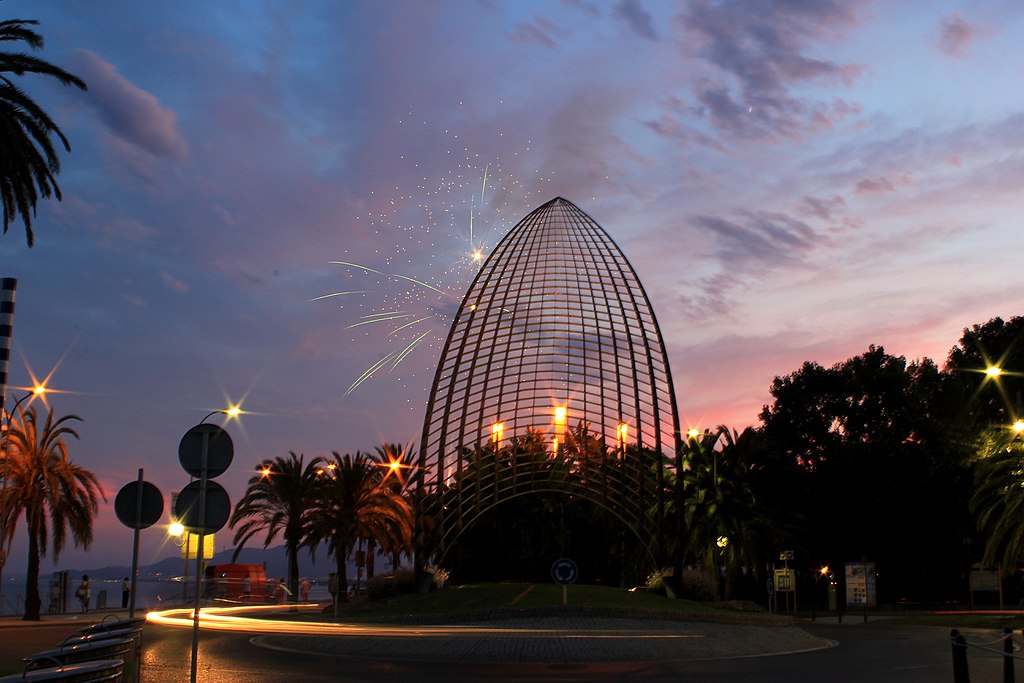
(127, 505)
(216, 511)
(219, 450)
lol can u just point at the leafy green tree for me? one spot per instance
(354, 503)
(279, 500)
(29, 163)
(56, 496)
(988, 400)
(885, 476)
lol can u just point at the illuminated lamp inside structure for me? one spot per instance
(555, 331)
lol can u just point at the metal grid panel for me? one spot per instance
(555, 317)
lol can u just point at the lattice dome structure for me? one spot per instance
(555, 331)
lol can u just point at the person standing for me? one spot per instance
(126, 590)
(304, 589)
(282, 588)
(82, 593)
(332, 586)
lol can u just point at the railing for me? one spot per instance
(961, 674)
(11, 605)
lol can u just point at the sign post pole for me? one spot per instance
(138, 505)
(135, 547)
(564, 572)
(204, 452)
(199, 554)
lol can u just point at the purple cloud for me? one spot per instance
(537, 32)
(956, 35)
(822, 208)
(760, 48)
(760, 236)
(882, 185)
(130, 112)
(638, 18)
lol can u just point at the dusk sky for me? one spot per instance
(793, 181)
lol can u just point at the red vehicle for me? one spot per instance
(237, 582)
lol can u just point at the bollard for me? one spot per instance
(960, 672)
(1007, 655)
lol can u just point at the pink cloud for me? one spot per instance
(130, 112)
(956, 35)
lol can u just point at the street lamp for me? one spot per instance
(233, 412)
(182, 539)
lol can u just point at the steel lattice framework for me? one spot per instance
(555, 331)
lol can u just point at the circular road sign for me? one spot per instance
(219, 450)
(135, 513)
(216, 511)
(564, 571)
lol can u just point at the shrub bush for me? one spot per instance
(400, 582)
(695, 584)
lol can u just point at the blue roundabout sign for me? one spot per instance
(564, 571)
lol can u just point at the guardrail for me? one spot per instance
(960, 645)
(109, 650)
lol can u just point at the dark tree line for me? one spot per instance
(876, 458)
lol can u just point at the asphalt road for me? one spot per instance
(877, 652)
(873, 652)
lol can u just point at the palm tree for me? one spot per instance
(28, 159)
(55, 494)
(997, 501)
(279, 499)
(354, 503)
(720, 508)
(395, 461)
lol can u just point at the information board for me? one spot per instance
(860, 584)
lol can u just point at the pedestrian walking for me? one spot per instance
(246, 587)
(304, 589)
(126, 589)
(282, 589)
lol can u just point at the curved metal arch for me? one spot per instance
(648, 543)
(556, 319)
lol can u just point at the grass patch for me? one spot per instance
(512, 596)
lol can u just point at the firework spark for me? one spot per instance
(433, 238)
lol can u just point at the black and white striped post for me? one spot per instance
(7, 287)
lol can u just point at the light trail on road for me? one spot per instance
(235, 619)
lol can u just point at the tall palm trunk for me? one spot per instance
(32, 600)
(293, 574)
(342, 568)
